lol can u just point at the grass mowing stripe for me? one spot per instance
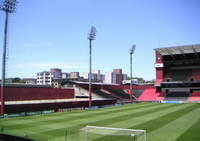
(78, 112)
(85, 121)
(151, 125)
(175, 128)
(169, 129)
(69, 123)
(192, 134)
(69, 114)
(60, 137)
(74, 129)
(139, 120)
(94, 114)
(71, 118)
(36, 133)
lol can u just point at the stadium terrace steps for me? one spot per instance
(137, 93)
(103, 94)
(195, 96)
(150, 95)
(177, 96)
(119, 93)
(32, 93)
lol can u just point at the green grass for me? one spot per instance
(163, 122)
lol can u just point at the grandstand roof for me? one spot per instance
(20, 85)
(94, 83)
(179, 50)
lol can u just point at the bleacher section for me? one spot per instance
(140, 92)
(103, 94)
(195, 96)
(31, 107)
(150, 94)
(29, 99)
(137, 92)
(177, 96)
(119, 93)
(181, 75)
(22, 94)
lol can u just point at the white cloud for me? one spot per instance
(55, 65)
(49, 65)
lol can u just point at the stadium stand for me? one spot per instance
(177, 96)
(32, 107)
(150, 94)
(35, 98)
(178, 72)
(195, 75)
(137, 92)
(104, 94)
(195, 96)
(119, 93)
(22, 94)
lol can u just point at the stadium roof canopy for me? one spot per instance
(179, 50)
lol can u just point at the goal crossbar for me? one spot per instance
(96, 132)
(109, 128)
(130, 131)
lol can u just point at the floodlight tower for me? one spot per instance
(8, 6)
(91, 36)
(131, 52)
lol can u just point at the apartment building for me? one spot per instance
(49, 77)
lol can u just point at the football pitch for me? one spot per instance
(163, 122)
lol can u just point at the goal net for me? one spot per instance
(94, 133)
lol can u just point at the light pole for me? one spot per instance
(131, 51)
(8, 6)
(91, 36)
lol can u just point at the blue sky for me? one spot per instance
(44, 34)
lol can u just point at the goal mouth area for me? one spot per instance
(113, 131)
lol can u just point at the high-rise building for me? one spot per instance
(74, 75)
(115, 77)
(65, 75)
(57, 73)
(96, 76)
(118, 71)
(125, 77)
(85, 75)
(109, 78)
(44, 78)
(49, 77)
(102, 78)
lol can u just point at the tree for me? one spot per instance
(140, 79)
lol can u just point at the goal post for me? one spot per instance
(91, 133)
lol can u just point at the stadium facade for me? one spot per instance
(178, 70)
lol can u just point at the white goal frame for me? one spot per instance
(130, 132)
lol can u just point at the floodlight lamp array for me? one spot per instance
(132, 49)
(92, 34)
(8, 5)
